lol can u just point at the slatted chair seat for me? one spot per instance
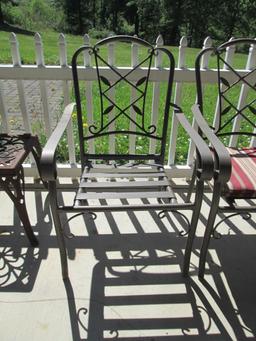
(141, 183)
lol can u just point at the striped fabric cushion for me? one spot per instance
(242, 183)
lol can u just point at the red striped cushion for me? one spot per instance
(242, 183)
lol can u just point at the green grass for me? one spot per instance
(51, 48)
(51, 53)
(27, 47)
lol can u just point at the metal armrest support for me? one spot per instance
(48, 158)
(205, 164)
(222, 161)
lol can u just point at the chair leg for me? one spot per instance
(193, 225)
(191, 184)
(36, 152)
(58, 229)
(209, 228)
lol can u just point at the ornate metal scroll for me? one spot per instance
(104, 89)
(9, 145)
(216, 234)
(226, 105)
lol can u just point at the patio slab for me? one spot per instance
(125, 278)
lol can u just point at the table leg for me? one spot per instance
(18, 198)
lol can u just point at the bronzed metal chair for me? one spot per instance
(14, 149)
(112, 179)
(232, 134)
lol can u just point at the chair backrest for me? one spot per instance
(122, 101)
(235, 106)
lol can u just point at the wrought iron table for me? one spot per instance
(14, 149)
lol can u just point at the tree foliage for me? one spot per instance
(147, 18)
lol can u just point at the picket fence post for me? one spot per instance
(66, 97)
(204, 65)
(177, 101)
(43, 87)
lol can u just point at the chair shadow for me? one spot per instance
(236, 254)
(235, 280)
(138, 291)
(19, 261)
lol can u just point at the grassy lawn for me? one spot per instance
(51, 53)
(51, 48)
(27, 47)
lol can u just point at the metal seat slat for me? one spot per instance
(92, 175)
(124, 184)
(124, 195)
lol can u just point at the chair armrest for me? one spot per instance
(205, 166)
(48, 158)
(222, 160)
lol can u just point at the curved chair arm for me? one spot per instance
(205, 166)
(48, 158)
(222, 160)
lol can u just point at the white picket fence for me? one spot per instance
(62, 72)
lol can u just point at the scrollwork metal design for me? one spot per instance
(9, 145)
(70, 235)
(162, 214)
(224, 87)
(12, 267)
(101, 129)
(83, 311)
(216, 234)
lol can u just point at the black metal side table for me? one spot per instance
(14, 149)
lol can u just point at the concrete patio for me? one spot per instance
(125, 278)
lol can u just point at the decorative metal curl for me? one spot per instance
(71, 235)
(115, 334)
(151, 129)
(218, 235)
(84, 311)
(95, 128)
(182, 233)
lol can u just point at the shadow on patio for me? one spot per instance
(125, 279)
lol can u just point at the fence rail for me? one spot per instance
(62, 73)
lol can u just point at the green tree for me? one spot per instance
(131, 15)
(149, 18)
(172, 20)
(198, 18)
(236, 18)
(3, 2)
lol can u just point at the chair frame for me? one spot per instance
(222, 160)
(48, 160)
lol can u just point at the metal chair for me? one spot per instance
(128, 173)
(232, 135)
